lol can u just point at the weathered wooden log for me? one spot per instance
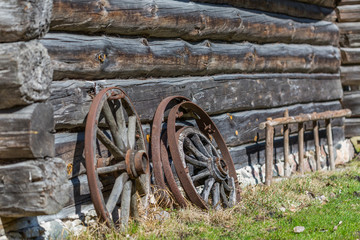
(252, 154)
(350, 75)
(24, 20)
(25, 73)
(349, 34)
(325, 3)
(350, 56)
(26, 133)
(32, 188)
(348, 13)
(187, 20)
(352, 127)
(216, 94)
(348, 2)
(236, 129)
(86, 57)
(351, 100)
(287, 7)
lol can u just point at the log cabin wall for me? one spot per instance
(241, 61)
(349, 24)
(30, 175)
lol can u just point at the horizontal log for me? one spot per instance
(348, 13)
(187, 20)
(350, 75)
(217, 94)
(26, 132)
(350, 56)
(352, 127)
(243, 127)
(351, 100)
(306, 118)
(252, 154)
(25, 73)
(349, 34)
(287, 7)
(24, 20)
(324, 3)
(86, 57)
(348, 2)
(32, 188)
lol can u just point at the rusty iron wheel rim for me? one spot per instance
(161, 167)
(208, 128)
(108, 111)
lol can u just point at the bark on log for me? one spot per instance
(187, 20)
(349, 34)
(349, 13)
(352, 127)
(352, 101)
(217, 94)
(350, 75)
(287, 7)
(236, 129)
(350, 56)
(32, 188)
(26, 132)
(252, 154)
(24, 20)
(85, 57)
(25, 73)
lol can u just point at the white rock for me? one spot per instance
(299, 229)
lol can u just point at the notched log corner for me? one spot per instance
(26, 133)
(24, 20)
(32, 188)
(25, 73)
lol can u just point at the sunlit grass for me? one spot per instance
(327, 204)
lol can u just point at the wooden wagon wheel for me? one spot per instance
(115, 147)
(171, 153)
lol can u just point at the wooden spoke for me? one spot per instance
(202, 174)
(125, 205)
(226, 186)
(113, 168)
(209, 149)
(113, 127)
(224, 197)
(216, 196)
(131, 132)
(207, 189)
(116, 192)
(142, 184)
(195, 162)
(121, 122)
(199, 145)
(232, 194)
(115, 151)
(191, 147)
(134, 211)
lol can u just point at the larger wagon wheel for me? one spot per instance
(115, 148)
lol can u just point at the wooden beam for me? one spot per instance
(325, 3)
(25, 73)
(187, 20)
(349, 2)
(351, 100)
(269, 152)
(352, 127)
(32, 188)
(348, 13)
(24, 20)
(350, 75)
(26, 132)
(215, 94)
(349, 34)
(287, 7)
(93, 57)
(350, 56)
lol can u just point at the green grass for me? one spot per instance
(317, 201)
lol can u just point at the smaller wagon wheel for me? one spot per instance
(115, 148)
(199, 167)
